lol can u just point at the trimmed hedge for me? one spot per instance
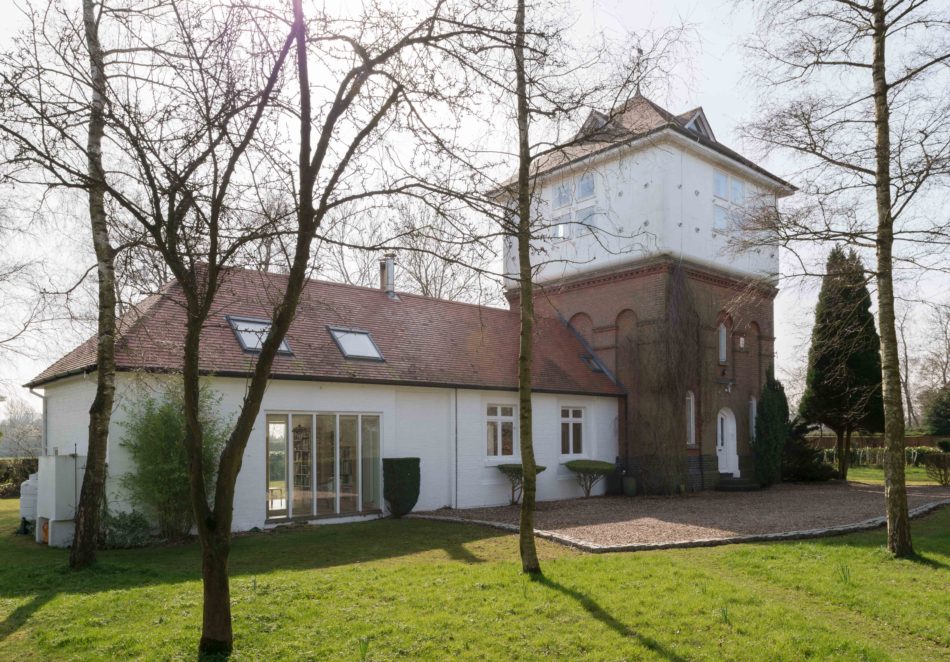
(944, 445)
(401, 484)
(14, 471)
(513, 473)
(938, 468)
(590, 472)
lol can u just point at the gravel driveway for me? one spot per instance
(611, 521)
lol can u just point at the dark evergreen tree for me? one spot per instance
(843, 386)
(937, 412)
(771, 431)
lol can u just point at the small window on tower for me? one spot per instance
(720, 218)
(562, 194)
(562, 226)
(721, 185)
(737, 191)
(690, 419)
(585, 187)
(723, 343)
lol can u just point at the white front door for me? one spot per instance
(726, 449)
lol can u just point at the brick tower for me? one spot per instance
(638, 259)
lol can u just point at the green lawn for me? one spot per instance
(875, 475)
(437, 591)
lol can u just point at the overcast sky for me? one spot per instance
(713, 76)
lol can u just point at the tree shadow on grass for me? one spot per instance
(594, 609)
(35, 570)
(16, 618)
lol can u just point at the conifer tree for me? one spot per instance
(771, 431)
(937, 412)
(843, 385)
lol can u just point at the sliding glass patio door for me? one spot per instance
(323, 464)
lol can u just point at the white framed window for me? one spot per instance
(720, 218)
(721, 185)
(753, 413)
(586, 219)
(501, 431)
(690, 419)
(723, 343)
(562, 226)
(562, 194)
(572, 431)
(585, 187)
(736, 191)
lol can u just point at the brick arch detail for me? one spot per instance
(584, 326)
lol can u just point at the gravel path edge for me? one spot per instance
(593, 548)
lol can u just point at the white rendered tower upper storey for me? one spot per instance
(651, 183)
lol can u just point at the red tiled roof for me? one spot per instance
(424, 341)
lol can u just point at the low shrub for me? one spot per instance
(514, 472)
(401, 484)
(158, 484)
(800, 460)
(938, 468)
(124, 530)
(944, 445)
(14, 471)
(590, 472)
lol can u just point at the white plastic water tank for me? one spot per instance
(28, 496)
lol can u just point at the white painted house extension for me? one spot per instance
(366, 374)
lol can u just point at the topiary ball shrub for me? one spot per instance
(401, 484)
(514, 473)
(589, 472)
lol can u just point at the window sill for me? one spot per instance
(507, 459)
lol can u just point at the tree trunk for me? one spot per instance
(83, 552)
(839, 451)
(216, 635)
(846, 458)
(529, 552)
(895, 489)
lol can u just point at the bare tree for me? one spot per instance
(440, 256)
(21, 433)
(563, 103)
(83, 550)
(849, 93)
(908, 364)
(42, 126)
(935, 359)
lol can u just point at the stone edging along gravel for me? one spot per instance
(593, 548)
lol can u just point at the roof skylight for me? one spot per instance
(251, 334)
(355, 344)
